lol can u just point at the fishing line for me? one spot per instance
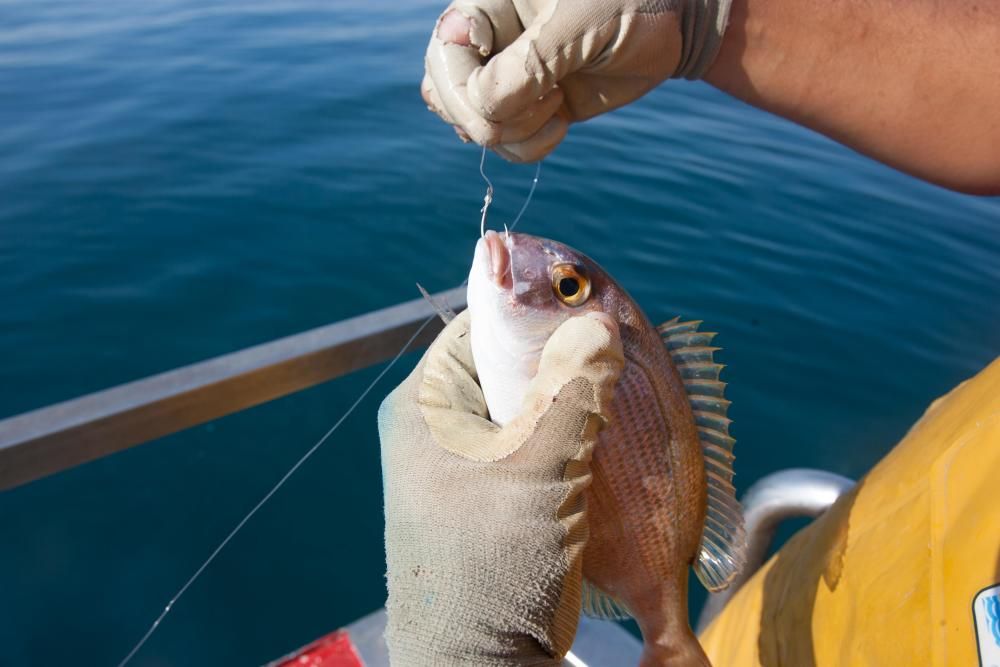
(312, 450)
(488, 199)
(274, 489)
(531, 193)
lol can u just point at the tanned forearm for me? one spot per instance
(912, 83)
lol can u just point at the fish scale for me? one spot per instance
(652, 438)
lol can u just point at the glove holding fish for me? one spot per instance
(662, 497)
(553, 451)
(485, 525)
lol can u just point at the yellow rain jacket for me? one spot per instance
(890, 574)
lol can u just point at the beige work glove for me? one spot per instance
(485, 526)
(512, 74)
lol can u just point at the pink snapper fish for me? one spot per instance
(661, 498)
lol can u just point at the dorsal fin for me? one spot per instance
(722, 554)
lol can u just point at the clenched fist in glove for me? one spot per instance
(512, 74)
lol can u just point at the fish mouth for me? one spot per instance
(498, 260)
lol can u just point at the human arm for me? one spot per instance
(914, 84)
(485, 526)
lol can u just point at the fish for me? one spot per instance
(661, 498)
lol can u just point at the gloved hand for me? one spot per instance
(486, 526)
(559, 61)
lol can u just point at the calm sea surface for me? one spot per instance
(180, 179)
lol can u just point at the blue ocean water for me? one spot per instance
(180, 179)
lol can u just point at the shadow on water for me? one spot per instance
(813, 558)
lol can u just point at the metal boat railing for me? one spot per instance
(46, 441)
(51, 439)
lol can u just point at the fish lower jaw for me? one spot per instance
(503, 374)
(504, 390)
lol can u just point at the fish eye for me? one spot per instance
(570, 284)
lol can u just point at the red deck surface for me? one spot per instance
(333, 650)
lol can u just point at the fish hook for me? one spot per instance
(488, 199)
